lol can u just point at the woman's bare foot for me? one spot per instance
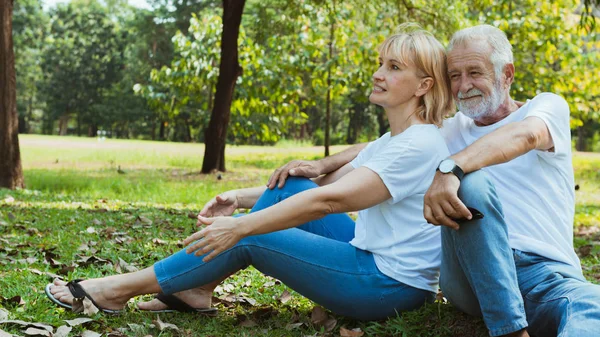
(197, 298)
(104, 292)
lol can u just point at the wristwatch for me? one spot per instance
(449, 166)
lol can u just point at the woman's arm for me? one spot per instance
(359, 189)
(226, 203)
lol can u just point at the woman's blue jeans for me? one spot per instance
(314, 259)
(481, 275)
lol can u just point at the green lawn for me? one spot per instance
(79, 216)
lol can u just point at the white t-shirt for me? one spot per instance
(406, 248)
(536, 189)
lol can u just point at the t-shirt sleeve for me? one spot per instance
(368, 151)
(404, 167)
(554, 111)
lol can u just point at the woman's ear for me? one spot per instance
(424, 86)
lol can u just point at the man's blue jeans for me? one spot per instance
(481, 275)
(314, 259)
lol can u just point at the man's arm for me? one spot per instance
(442, 204)
(314, 168)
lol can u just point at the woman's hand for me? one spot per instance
(222, 234)
(223, 204)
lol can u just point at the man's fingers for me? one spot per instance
(282, 177)
(463, 211)
(450, 211)
(428, 214)
(443, 219)
(273, 179)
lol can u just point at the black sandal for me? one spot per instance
(174, 304)
(79, 294)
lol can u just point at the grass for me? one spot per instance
(79, 216)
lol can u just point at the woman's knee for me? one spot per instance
(295, 185)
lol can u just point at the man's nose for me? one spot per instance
(465, 84)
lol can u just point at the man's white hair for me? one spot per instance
(501, 48)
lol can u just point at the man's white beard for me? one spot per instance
(485, 106)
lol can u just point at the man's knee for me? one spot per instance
(477, 190)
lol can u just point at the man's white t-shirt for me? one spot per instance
(536, 189)
(405, 247)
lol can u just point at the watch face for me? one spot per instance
(446, 166)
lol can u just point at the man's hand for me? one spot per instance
(295, 168)
(223, 204)
(441, 203)
(222, 234)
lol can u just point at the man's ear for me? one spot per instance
(424, 86)
(509, 73)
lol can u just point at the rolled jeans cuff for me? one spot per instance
(505, 330)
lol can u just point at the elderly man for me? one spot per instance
(512, 162)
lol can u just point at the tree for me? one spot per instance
(11, 173)
(229, 70)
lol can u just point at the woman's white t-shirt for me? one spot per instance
(405, 247)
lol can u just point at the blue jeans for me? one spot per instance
(481, 275)
(315, 259)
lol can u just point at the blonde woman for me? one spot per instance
(386, 262)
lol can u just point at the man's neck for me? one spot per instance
(506, 108)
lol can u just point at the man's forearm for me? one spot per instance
(500, 146)
(336, 161)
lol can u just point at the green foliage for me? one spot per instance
(151, 74)
(82, 58)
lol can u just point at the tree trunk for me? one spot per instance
(63, 124)
(328, 100)
(581, 144)
(229, 69)
(11, 172)
(161, 131)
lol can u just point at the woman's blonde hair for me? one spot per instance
(411, 44)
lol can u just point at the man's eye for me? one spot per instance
(453, 77)
(475, 73)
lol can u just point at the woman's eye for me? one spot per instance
(380, 64)
(394, 67)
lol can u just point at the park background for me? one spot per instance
(114, 104)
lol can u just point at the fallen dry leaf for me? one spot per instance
(292, 326)
(157, 241)
(28, 324)
(97, 222)
(585, 250)
(318, 315)
(78, 321)
(62, 331)
(3, 314)
(163, 326)
(84, 306)
(91, 230)
(285, 296)
(9, 199)
(37, 332)
(88, 333)
(121, 266)
(351, 333)
(320, 318)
